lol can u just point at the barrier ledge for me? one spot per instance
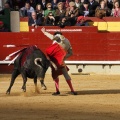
(81, 62)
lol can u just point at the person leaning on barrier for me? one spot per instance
(26, 10)
(34, 21)
(50, 20)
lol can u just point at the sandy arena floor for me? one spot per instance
(98, 99)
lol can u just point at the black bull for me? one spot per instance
(31, 63)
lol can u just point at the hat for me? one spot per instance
(48, 4)
(85, 2)
(1, 23)
(80, 18)
(59, 3)
(71, 4)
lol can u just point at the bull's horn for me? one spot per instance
(36, 60)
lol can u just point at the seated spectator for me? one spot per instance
(50, 19)
(54, 4)
(116, 10)
(43, 4)
(33, 3)
(2, 27)
(64, 22)
(6, 6)
(109, 4)
(60, 12)
(49, 9)
(33, 21)
(92, 7)
(39, 11)
(78, 3)
(102, 10)
(81, 21)
(27, 10)
(72, 11)
(84, 10)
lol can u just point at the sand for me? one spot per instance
(98, 99)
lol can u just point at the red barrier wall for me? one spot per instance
(88, 44)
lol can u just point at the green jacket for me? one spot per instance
(47, 11)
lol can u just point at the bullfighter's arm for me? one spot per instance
(50, 36)
(69, 53)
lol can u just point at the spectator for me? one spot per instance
(49, 9)
(27, 10)
(6, 6)
(72, 10)
(84, 10)
(110, 4)
(64, 22)
(71, 13)
(54, 4)
(102, 10)
(116, 10)
(60, 12)
(32, 3)
(92, 7)
(33, 21)
(43, 4)
(50, 19)
(78, 3)
(2, 27)
(39, 11)
(81, 21)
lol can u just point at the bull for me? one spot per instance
(30, 63)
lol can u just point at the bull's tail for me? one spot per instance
(37, 61)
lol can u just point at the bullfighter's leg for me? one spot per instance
(68, 80)
(14, 75)
(56, 86)
(24, 81)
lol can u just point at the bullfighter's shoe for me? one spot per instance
(56, 93)
(73, 93)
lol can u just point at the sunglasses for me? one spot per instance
(49, 7)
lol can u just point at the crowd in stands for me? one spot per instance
(63, 12)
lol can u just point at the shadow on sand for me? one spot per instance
(92, 92)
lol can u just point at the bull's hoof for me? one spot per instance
(44, 87)
(24, 89)
(8, 92)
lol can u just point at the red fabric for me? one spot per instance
(56, 54)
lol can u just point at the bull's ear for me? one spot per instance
(37, 62)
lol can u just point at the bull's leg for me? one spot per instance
(35, 82)
(24, 81)
(14, 75)
(43, 86)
